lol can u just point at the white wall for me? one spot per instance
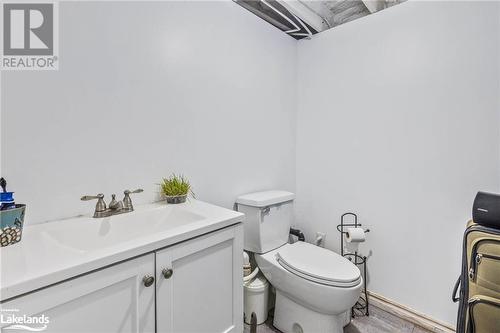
(398, 120)
(146, 89)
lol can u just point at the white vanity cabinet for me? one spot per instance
(112, 299)
(192, 286)
(199, 284)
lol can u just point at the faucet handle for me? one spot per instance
(127, 192)
(127, 201)
(92, 197)
(100, 205)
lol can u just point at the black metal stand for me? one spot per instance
(355, 258)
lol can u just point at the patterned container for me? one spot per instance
(176, 199)
(11, 225)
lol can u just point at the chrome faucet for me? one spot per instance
(115, 207)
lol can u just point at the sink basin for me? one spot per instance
(89, 234)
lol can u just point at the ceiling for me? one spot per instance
(304, 18)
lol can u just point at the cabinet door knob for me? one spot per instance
(148, 280)
(167, 273)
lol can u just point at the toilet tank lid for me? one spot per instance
(265, 198)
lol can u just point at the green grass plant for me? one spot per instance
(176, 185)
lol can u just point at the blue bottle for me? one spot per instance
(7, 200)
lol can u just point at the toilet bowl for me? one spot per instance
(314, 287)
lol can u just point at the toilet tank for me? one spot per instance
(268, 216)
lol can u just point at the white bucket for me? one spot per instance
(256, 298)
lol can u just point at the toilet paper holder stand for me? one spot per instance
(355, 258)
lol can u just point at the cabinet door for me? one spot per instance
(199, 284)
(113, 299)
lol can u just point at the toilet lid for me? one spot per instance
(319, 265)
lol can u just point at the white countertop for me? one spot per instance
(56, 251)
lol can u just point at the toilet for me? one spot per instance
(315, 287)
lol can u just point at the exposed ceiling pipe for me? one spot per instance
(308, 34)
(296, 27)
(261, 14)
(304, 13)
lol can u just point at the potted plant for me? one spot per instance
(176, 189)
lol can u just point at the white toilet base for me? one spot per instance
(291, 317)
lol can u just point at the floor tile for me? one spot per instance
(378, 322)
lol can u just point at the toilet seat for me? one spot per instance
(318, 265)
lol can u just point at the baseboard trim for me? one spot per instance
(408, 314)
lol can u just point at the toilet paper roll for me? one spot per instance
(351, 247)
(355, 235)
